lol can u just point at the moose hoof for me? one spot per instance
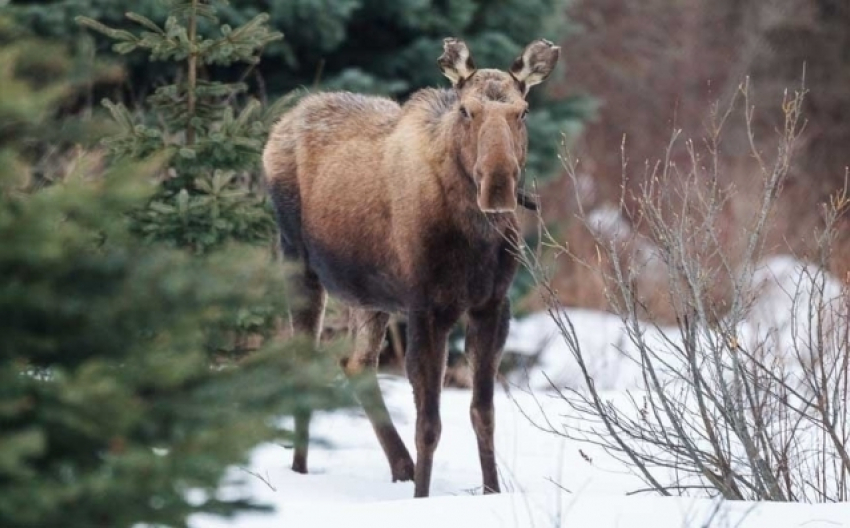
(403, 471)
(299, 466)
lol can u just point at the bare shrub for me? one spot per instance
(742, 397)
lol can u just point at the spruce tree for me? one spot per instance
(111, 414)
(205, 197)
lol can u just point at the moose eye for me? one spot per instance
(464, 112)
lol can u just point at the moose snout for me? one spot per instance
(497, 189)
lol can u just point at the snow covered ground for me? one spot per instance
(547, 481)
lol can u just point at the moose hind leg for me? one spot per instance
(368, 328)
(307, 300)
(486, 333)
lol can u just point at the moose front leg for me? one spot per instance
(425, 362)
(486, 333)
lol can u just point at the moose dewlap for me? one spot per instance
(409, 209)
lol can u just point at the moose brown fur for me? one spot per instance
(409, 209)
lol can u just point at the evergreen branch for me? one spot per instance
(144, 21)
(188, 9)
(117, 34)
(245, 75)
(244, 40)
(248, 113)
(120, 114)
(218, 89)
(257, 24)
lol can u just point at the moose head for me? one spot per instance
(490, 114)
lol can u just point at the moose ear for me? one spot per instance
(456, 61)
(537, 61)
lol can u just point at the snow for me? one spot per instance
(602, 338)
(787, 289)
(547, 480)
(608, 224)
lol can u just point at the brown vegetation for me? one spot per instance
(658, 66)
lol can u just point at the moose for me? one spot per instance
(409, 209)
